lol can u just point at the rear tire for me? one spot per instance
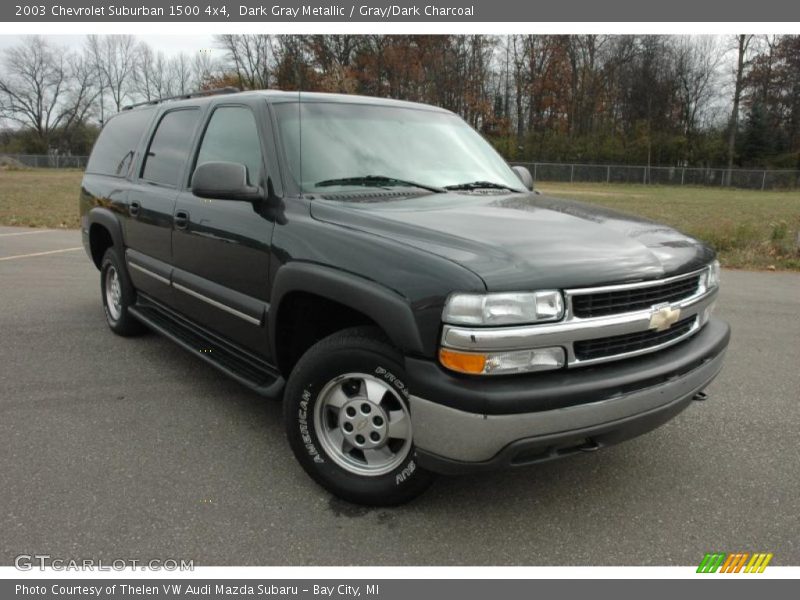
(348, 423)
(118, 296)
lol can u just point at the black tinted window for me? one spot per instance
(169, 147)
(114, 150)
(232, 136)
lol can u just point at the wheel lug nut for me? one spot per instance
(350, 411)
(348, 427)
(377, 421)
(360, 439)
(366, 408)
(374, 436)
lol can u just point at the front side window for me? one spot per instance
(232, 136)
(169, 147)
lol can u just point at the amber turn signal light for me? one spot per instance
(462, 362)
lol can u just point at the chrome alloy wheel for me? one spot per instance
(113, 289)
(363, 424)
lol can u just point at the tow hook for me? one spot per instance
(700, 397)
(589, 446)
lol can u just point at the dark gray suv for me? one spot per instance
(380, 269)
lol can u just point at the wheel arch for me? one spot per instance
(379, 306)
(105, 231)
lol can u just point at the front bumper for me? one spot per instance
(526, 419)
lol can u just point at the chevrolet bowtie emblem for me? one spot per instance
(664, 316)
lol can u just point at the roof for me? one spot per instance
(279, 96)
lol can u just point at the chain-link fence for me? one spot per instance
(49, 161)
(757, 179)
(754, 179)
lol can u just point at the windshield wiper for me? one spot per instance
(378, 181)
(480, 185)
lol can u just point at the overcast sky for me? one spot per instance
(169, 44)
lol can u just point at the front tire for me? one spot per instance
(118, 296)
(348, 422)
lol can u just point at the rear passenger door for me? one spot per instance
(151, 201)
(221, 248)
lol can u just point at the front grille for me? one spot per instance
(630, 342)
(599, 304)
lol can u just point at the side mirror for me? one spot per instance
(223, 181)
(524, 176)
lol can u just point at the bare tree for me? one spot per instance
(696, 61)
(251, 57)
(588, 56)
(44, 88)
(115, 61)
(180, 74)
(204, 68)
(742, 42)
(153, 74)
(144, 72)
(83, 90)
(161, 76)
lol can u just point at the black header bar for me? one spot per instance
(401, 11)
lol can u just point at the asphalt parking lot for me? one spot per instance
(129, 448)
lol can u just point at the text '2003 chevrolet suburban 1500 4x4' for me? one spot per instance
(379, 267)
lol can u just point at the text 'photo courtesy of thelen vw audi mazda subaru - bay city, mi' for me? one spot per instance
(379, 268)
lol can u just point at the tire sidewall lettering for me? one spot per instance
(408, 468)
(407, 472)
(306, 408)
(396, 382)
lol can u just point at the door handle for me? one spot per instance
(133, 209)
(181, 219)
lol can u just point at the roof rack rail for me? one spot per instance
(197, 94)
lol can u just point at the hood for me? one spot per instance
(516, 241)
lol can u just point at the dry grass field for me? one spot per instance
(40, 197)
(749, 229)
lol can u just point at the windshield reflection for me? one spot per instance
(341, 145)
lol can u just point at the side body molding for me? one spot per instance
(387, 308)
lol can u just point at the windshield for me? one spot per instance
(356, 145)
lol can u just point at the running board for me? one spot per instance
(238, 364)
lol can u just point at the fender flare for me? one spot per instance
(105, 217)
(387, 308)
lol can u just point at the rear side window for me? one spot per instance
(169, 147)
(115, 148)
(232, 136)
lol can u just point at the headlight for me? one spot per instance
(504, 308)
(712, 275)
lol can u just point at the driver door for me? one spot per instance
(221, 248)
